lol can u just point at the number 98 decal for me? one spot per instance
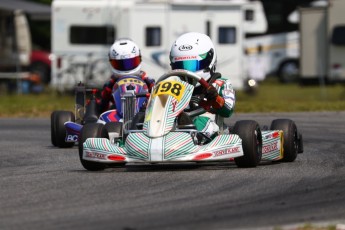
(173, 88)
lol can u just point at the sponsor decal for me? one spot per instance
(71, 138)
(227, 92)
(185, 47)
(114, 53)
(219, 82)
(275, 134)
(272, 135)
(125, 56)
(270, 147)
(227, 151)
(269, 136)
(96, 155)
(202, 156)
(116, 158)
(185, 58)
(134, 50)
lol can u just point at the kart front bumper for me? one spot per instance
(174, 147)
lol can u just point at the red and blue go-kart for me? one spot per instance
(130, 95)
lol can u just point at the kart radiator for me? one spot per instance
(128, 107)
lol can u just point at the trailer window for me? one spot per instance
(153, 36)
(227, 35)
(92, 35)
(338, 35)
(249, 15)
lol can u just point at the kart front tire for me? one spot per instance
(91, 130)
(250, 133)
(58, 130)
(290, 139)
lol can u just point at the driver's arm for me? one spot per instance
(106, 96)
(227, 92)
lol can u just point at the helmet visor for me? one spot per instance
(191, 65)
(125, 64)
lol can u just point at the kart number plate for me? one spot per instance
(172, 88)
(129, 80)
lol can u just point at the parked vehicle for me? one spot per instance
(15, 45)
(40, 63)
(18, 59)
(279, 54)
(322, 43)
(311, 53)
(82, 32)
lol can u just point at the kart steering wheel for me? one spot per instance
(184, 73)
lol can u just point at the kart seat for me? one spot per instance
(185, 122)
(91, 115)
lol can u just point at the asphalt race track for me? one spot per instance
(43, 187)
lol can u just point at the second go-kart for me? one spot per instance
(129, 92)
(165, 136)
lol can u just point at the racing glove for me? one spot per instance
(149, 81)
(211, 93)
(213, 99)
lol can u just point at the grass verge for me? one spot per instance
(270, 97)
(275, 97)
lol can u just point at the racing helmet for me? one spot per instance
(125, 57)
(194, 52)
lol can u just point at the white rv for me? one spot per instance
(82, 32)
(277, 53)
(322, 42)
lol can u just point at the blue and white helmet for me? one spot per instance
(194, 52)
(125, 57)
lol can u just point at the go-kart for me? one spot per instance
(166, 134)
(129, 92)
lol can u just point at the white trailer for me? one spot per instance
(322, 42)
(15, 44)
(277, 53)
(82, 32)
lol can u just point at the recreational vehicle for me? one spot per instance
(22, 61)
(278, 50)
(15, 44)
(322, 31)
(277, 53)
(82, 32)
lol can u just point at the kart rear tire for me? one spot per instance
(290, 138)
(52, 129)
(58, 130)
(250, 133)
(91, 130)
